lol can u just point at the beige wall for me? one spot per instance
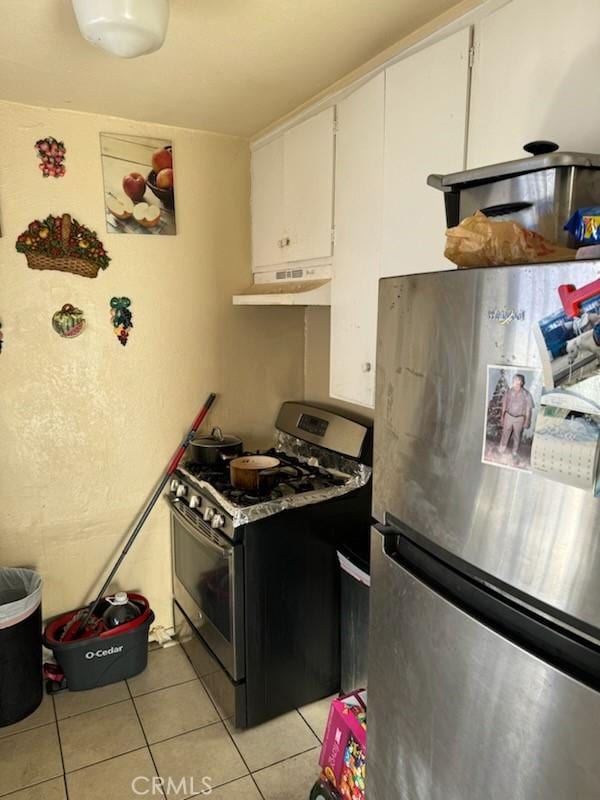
(316, 363)
(86, 426)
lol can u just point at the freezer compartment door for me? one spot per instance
(438, 334)
(458, 711)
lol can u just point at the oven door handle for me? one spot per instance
(225, 550)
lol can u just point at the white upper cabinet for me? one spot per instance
(308, 187)
(357, 259)
(267, 203)
(426, 98)
(292, 194)
(535, 77)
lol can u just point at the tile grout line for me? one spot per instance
(104, 760)
(62, 758)
(89, 710)
(184, 733)
(283, 760)
(222, 721)
(45, 780)
(139, 719)
(310, 726)
(13, 792)
(27, 730)
(113, 702)
(161, 688)
(52, 777)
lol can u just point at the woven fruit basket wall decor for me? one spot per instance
(63, 244)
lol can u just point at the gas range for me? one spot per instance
(314, 468)
(295, 477)
(252, 573)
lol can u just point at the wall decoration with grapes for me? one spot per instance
(121, 318)
(52, 154)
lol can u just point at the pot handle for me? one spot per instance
(505, 208)
(540, 147)
(217, 434)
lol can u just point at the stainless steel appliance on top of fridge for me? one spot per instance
(484, 651)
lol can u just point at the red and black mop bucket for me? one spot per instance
(99, 655)
(90, 655)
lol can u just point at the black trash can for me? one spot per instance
(21, 687)
(355, 582)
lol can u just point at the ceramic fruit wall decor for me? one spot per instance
(121, 318)
(69, 322)
(139, 184)
(63, 244)
(51, 153)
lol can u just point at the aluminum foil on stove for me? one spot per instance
(356, 475)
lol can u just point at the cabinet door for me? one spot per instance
(426, 98)
(267, 204)
(535, 77)
(308, 188)
(358, 209)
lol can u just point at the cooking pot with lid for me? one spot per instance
(540, 192)
(215, 448)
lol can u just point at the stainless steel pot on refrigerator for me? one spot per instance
(484, 650)
(540, 192)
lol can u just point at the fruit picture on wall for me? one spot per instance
(139, 185)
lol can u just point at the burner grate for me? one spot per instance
(295, 477)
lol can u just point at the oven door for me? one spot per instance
(208, 571)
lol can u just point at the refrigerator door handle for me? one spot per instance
(563, 648)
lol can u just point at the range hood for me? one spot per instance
(308, 286)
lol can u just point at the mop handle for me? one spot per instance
(149, 506)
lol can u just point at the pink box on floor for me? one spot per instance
(347, 719)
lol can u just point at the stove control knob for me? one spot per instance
(181, 490)
(208, 513)
(217, 521)
(174, 485)
(194, 501)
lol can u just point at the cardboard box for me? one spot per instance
(343, 753)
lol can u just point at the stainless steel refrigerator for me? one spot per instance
(484, 649)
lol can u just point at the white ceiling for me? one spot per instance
(231, 66)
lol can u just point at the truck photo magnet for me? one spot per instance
(512, 404)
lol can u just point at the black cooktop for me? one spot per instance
(294, 477)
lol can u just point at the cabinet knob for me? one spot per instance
(367, 366)
(283, 242)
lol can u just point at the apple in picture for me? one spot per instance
(162, 159)
(120, 206)
(146, 214)
(134, 186)
(164, 179)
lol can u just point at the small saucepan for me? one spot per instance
(214, 449)
(254, 473)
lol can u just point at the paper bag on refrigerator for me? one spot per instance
(481, 242)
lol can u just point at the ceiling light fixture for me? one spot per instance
(125, 28)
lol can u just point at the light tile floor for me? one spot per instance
(91, 745)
